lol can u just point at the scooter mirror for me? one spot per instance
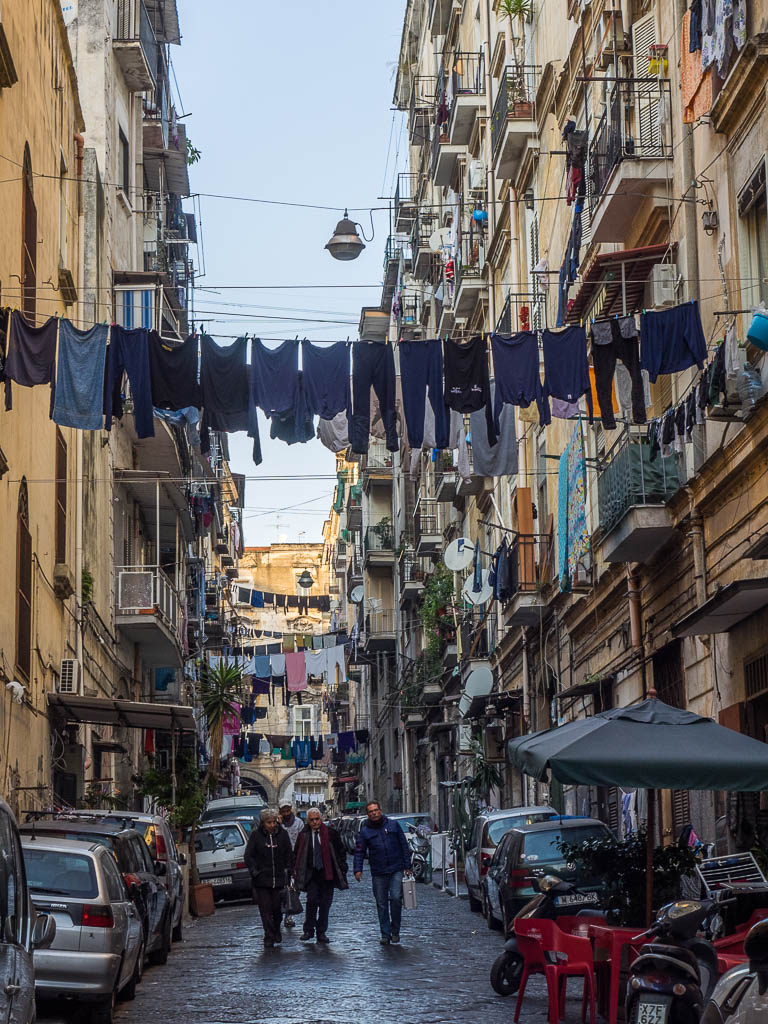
(547, 882)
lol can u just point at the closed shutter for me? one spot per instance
(681, 810)
(23, 588)
(61, 498)
(534, 256)
(29, 262)
(643, 38)
(646, 128)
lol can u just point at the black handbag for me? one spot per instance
(290, 903)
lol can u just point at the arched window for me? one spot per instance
(23, 586)
(29, 240)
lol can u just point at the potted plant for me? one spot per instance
(519, 103)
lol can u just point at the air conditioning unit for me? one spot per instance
(477, 180)
(662, 286)
(70, 678)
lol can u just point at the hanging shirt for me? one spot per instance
(566, 367)
(31, 355)
(517, 375)
(173, 373)
(224, 384)
(672, 340)
(326, 378)
(316, 662)
(79, 398)
(467, 383)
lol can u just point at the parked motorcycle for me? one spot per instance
(741, 994)
(554, 899)
(421, 849)
(672, 978)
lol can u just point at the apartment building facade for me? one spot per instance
(572, 164)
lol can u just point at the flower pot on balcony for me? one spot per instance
(201, 900)
(523, 109)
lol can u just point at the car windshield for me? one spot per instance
(543, 847)
(65, 874)
(210, 839)
(404, 820)
(218, 813)
(499, 826)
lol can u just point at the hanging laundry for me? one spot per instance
(362, 735)
(295, 672)
(566, 368)
(261, 665)
(517, 375)
(336, 662)
(260, 684)
(477, 570)
(224, 384)
(421, 372)
(467, 383)
(672, 340)
(128, 353)
(316, 748)
(501, 578)
(346, 742)
(500, 459)
(257, 599)
(274, 377)
(316, 662)
(614, 340)
(326, 378)
(173, 372)
(277, 662)
(373, 366)
(696, 83)
(334, 434)
(302, 753)
(79, 400)
(30, 357)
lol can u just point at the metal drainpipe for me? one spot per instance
(489, 155)
(636, 621)
(699, 557)
(526, 704)
(689, 207)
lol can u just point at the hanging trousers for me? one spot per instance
(129, 352)
(373, 367)
(604, 361)
(421, 374)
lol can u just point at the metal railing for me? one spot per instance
(471, 255)
(397, 247)
(420, 107)
(525, 560)
(464, 76)
(379, 538)
(411, 569)
(405, 191)
(409, 313)
(522, 311)
(379, 456)
(133, 26)
(628, 477)
(424, 226)
(478, 634)
(632, 127)
(425, 518)
(516, 100)
(142, 589)
(379, 620)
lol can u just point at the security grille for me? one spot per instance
(756, 676)
(135, 591)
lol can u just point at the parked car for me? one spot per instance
(230, 807)
(139, 871)
(97, 953)
(345, 824)
(353, 831)
(417, 818)
(220, 857)
(530, 851)
(25, 930)
(487, 830)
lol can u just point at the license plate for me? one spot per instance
(576, 898)
(651, 1012)
(222, 880)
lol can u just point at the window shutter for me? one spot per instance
(646, 99)
(61, 497)
(643, 38)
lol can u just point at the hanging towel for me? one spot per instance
(329, 640)
(261, 665)
(31, 354)
(499, 459)
(573, 540)
(128, 354)
(82, 360)
(326, 378)
(346, 742)
(257, 599)
(173, 373)
(336, 660)
(260, 684)
(296, 672)
(316, 662)
(277, 662)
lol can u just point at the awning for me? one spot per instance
(130, 714)
(606, 269)
(731, 604)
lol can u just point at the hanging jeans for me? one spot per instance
(388, 893)
(129, 353)
(373, 367)
(421, 375)
(604, 359)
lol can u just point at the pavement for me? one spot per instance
(221, 974)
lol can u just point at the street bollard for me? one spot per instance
(443, 885)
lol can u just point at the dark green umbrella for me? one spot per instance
(649, 745)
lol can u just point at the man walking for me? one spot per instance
(269, 858)
(383, 842)
(321, 867)
(293, 825)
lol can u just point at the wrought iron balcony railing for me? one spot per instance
(516, 100)
(630, 477)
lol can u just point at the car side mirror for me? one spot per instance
(161, 868)
(43, 931)
(756, 950)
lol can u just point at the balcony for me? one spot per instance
(377, 468)
(630, 156)
(405, 201)
(513, 120)
(445, 156)
(421, 108)
(409, 312)
(355, 507)
(472, 484)
(632, 493)
(439, 16)
(429, 540)
(424, 227)
(148, 613)
(527, 603)
(340, 559)
(378, 548)
(135, 45)
(412, 576)
(354, 568)
(470, 274)
(461, 89)
(478, 636)
(397, 253)
(380, 632)
(446, 479)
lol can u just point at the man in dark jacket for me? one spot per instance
(321, 867)
(269, 858)
(383, 842)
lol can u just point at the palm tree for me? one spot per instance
(220, 691)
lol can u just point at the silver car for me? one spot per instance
(220, 853)
(97, 952)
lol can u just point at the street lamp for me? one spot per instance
(305, 580)
(345, 243)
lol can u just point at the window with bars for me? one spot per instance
(61, 497)
(23, 585)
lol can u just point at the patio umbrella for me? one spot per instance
(650, 746)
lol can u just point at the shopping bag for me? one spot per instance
(409, 893)
(290, 903)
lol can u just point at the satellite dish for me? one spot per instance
(479, 683)
(485, 593)
(459, 554)
(439, 238)
(357, 594)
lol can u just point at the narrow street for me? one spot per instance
(222, 975)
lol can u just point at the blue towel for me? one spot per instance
(261, 664)
(80, 377)
(257, 599)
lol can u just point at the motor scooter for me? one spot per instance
(554, 899)
(672, 978)
(741, 994)
(418, 840)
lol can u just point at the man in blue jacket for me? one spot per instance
(383, 842)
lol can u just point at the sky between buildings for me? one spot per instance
(288, 101)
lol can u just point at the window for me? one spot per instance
(124, 163)
(135, 307)
(23, 585)
(29, 241)
(302, 722)
(61, 497)
(115, 884)
(753, 215)
(62, 211)
(64, 874)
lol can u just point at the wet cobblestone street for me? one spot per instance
(221, 974)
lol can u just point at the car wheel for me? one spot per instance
(128, 992)
(103, 1011)
(419, 870)
(160, 956)
(506, 972)
(475, 904)
(178, 929)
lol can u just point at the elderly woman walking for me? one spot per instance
(269, 858)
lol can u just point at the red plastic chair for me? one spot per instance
(529, 935)
(565, 956)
